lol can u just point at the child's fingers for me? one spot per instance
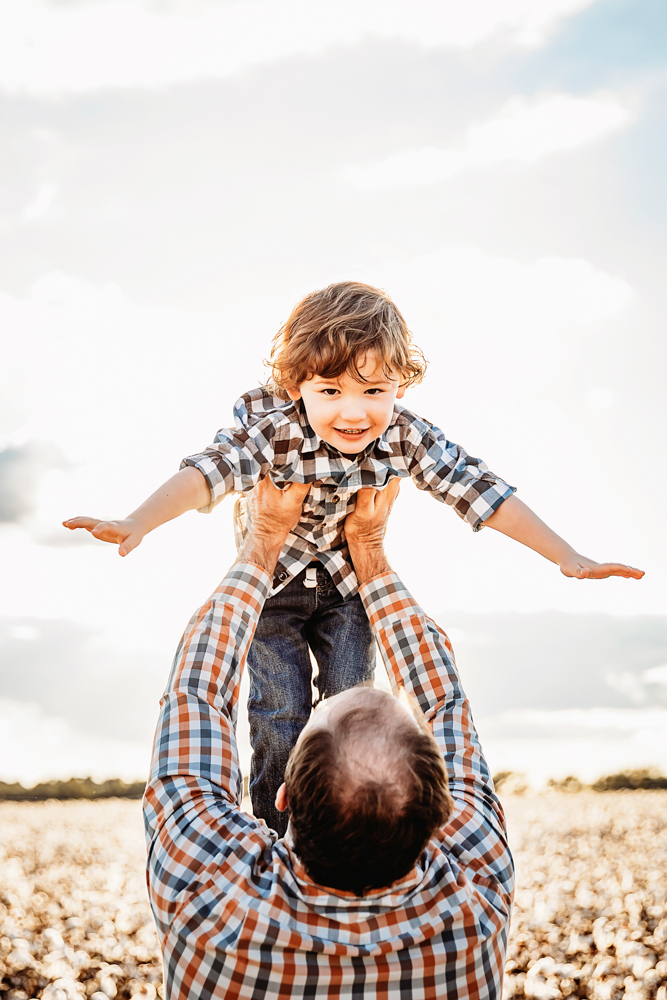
(130, 543)
(82, 522)
(604, 570)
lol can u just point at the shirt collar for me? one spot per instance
(311, 440)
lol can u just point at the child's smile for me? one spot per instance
(347, 413)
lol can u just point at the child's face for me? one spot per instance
(349, 414)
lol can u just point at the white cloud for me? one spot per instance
(600, 399)
(46, 48)
(116, 361)
(588, 743)
(42, 203)
(628, 685)
(36, 747)
(656, 675)
(488, 299)
(524, 130)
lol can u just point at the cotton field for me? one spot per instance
(74, 915)
(590, 918)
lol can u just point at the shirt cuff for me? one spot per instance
(246, 588)
(213, 477)
(387, 599)
(488, 503)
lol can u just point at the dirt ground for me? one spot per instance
(590, 918)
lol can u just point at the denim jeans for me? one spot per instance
(293, 621)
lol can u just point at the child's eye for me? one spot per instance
(329, 392)
(373, 391)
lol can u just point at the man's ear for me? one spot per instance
(294, 394)
(401, 391)
(281, 798)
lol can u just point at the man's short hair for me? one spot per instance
(365, 794)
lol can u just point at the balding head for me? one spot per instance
(367, 788)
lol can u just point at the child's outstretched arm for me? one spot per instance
(187, 490)
(515, 519)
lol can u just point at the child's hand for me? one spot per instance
(126, 534)
(586, 569)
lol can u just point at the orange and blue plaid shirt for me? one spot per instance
(237, 916)
(272, 436)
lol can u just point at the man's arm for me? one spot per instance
(195, 733)
(191, 816)
(515, 519)
(419, 659)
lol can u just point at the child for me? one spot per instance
(330, 417)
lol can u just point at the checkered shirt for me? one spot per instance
(273, 437)
(236, 914)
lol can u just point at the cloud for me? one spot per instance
(42, 204)
(555, 662)
(524, 131)
(119, 364)
(20, 471)
(588, 743)
(73, 672)
(577, 722)
(656, 675)
(48, 48)
(71, 703)
(503, 301)
(36, 745)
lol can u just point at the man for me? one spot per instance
(394, 878)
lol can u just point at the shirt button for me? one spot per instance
(335, 499)
(282, 576)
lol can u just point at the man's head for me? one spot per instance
(366, 788)
(347, 353)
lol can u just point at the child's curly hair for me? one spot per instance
(329, 332)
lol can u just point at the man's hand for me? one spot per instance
(273, 514)
(586, 569)
(126, 534)
(365, 529)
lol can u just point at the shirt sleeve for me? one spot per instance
(237, 459)
(195, 736)
(446, 471)
(419, 658)
(191, 806)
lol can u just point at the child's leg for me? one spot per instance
(281, 696)
(341, 639)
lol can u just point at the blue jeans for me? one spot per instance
(293, 621)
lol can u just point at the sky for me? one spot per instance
(176, 175)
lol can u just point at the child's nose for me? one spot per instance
(353, 410)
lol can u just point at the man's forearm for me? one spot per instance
(515, 519)
(365, 528)
(368, 561)
(262, 551)
(187, 490)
